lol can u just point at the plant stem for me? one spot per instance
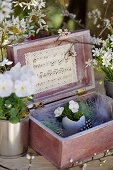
(29, 164)
(1, 54)
(106, 10)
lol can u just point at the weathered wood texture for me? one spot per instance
(40, 163)
(78, 147)
(85, 76)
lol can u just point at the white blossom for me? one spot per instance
(95, 15)
(25, 80)
(98, 26)
(6, 85)
(106, 56)
(71, 160)
(103, 43)
(6, 24)
(32, 157)
(18, 3)
(95, 40)
(73, 106)
(88, 63)
(109, 51)
(29, 27)
(111, 44)
(84, 166)
(96, 52)
(58, 111)
(20, 24)
(5, 62)
(5, 42)
(27, 5)
(107, 22)
(28, 156)
(22, 73)
(63, 33)
(67, 13)
(111, 37)
(23, 88)
(104, 1)
(15, 72)
(112, 66)
(5, 9)
(30, 106)
(41, 4)
(8, 106)
(106, 63)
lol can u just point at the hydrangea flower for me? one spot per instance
(58, 111)
(73, 106)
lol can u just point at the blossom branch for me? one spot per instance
(106, 154)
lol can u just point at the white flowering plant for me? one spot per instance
(16, 88)
(72, 110)
(103, 58)
(20, 20)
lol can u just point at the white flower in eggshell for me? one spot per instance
(58, 111)
(73, 106)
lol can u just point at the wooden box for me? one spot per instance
(63, 76)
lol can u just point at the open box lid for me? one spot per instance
(59, 62)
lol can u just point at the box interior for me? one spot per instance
(98, 105)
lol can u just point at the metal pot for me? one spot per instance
(13, 138)
(108, 88)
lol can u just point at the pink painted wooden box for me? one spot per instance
(50, 59)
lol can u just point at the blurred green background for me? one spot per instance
(80, 9)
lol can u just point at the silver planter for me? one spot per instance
(13, 138)
(108, 88)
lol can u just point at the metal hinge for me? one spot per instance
(81, 91)
(38, 104)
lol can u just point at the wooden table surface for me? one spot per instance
(40, 163)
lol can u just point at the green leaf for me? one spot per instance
(14, 120)
(13, 112)
(30, 100)
(78, 115)
(1, 103)
(3, 117)
(1, 112)
(23, 106)
(7, 102)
